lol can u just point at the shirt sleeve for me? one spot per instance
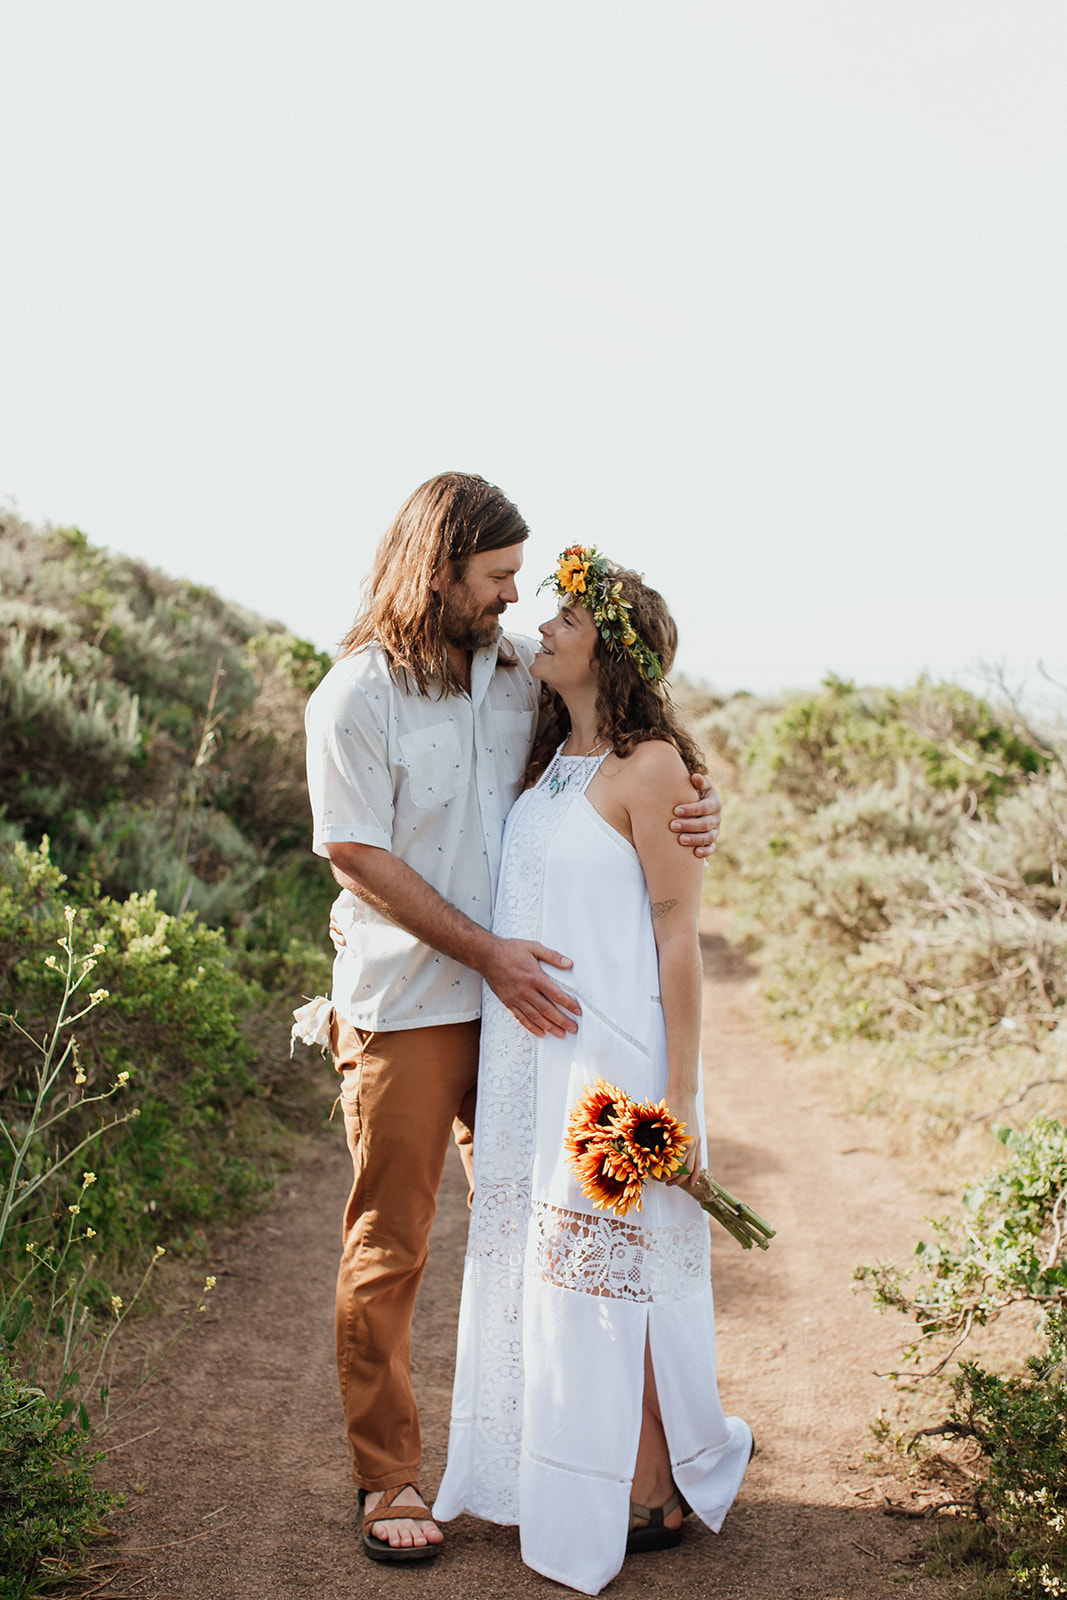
(349, 774)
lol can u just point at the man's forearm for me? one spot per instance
(398, 893)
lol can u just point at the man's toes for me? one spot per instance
(402, 1534)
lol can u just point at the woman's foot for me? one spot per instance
(655, 1527)
(397, 1537)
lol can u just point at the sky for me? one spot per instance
(764, 299)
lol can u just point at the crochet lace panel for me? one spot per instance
(617, 1258)
(504, 1151)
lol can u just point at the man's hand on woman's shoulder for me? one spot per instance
(700, 819)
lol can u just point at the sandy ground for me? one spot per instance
(236, 1468)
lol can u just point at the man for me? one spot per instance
(417, 742)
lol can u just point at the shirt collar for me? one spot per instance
(483, 665)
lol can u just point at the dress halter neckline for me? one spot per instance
(561, 769)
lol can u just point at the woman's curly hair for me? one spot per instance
(630, 710)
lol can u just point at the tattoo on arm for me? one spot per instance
(661, 907)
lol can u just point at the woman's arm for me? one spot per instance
(652, 780)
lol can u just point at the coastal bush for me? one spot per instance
(900, 859)
(180, 1018)
(154, 731)
(151, 763)
(1009, 1249)
(50, 1507)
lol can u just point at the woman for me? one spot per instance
(585, 1396)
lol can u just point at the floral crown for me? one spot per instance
(585, 576)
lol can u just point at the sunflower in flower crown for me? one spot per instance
(572, 570)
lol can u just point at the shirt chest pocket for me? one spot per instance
(434, 764)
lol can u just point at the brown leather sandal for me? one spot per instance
(387, 1511)
(647, 1529)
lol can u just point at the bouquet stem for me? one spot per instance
(739, 1219)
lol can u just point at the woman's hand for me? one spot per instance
(684, 1107)
(337, 937)
(692, 1164)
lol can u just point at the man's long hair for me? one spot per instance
(448, 519)
(629, 709)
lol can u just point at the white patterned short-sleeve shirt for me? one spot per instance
(431, 780)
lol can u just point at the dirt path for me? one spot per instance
(242, 1490)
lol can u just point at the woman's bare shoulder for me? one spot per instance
(654, 764)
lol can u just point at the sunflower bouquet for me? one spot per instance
(614, 1144)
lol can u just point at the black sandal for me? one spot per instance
(387, 1511)
(647, 1529)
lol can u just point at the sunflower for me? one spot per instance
(655, 1141)
(602, 1162)
(572, 573)
(609, 1180)
(592, 1120)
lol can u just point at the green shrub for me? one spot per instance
(182, 1020)
(1020, 1426)
(58, 1324)
(849, 737)
(154, 731)
(50, 1508)
(899, 858)
(1010, 1248)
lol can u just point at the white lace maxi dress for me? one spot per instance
(557, 1297)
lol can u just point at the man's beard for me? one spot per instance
(463, 624)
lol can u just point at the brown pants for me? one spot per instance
(402, 1094)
